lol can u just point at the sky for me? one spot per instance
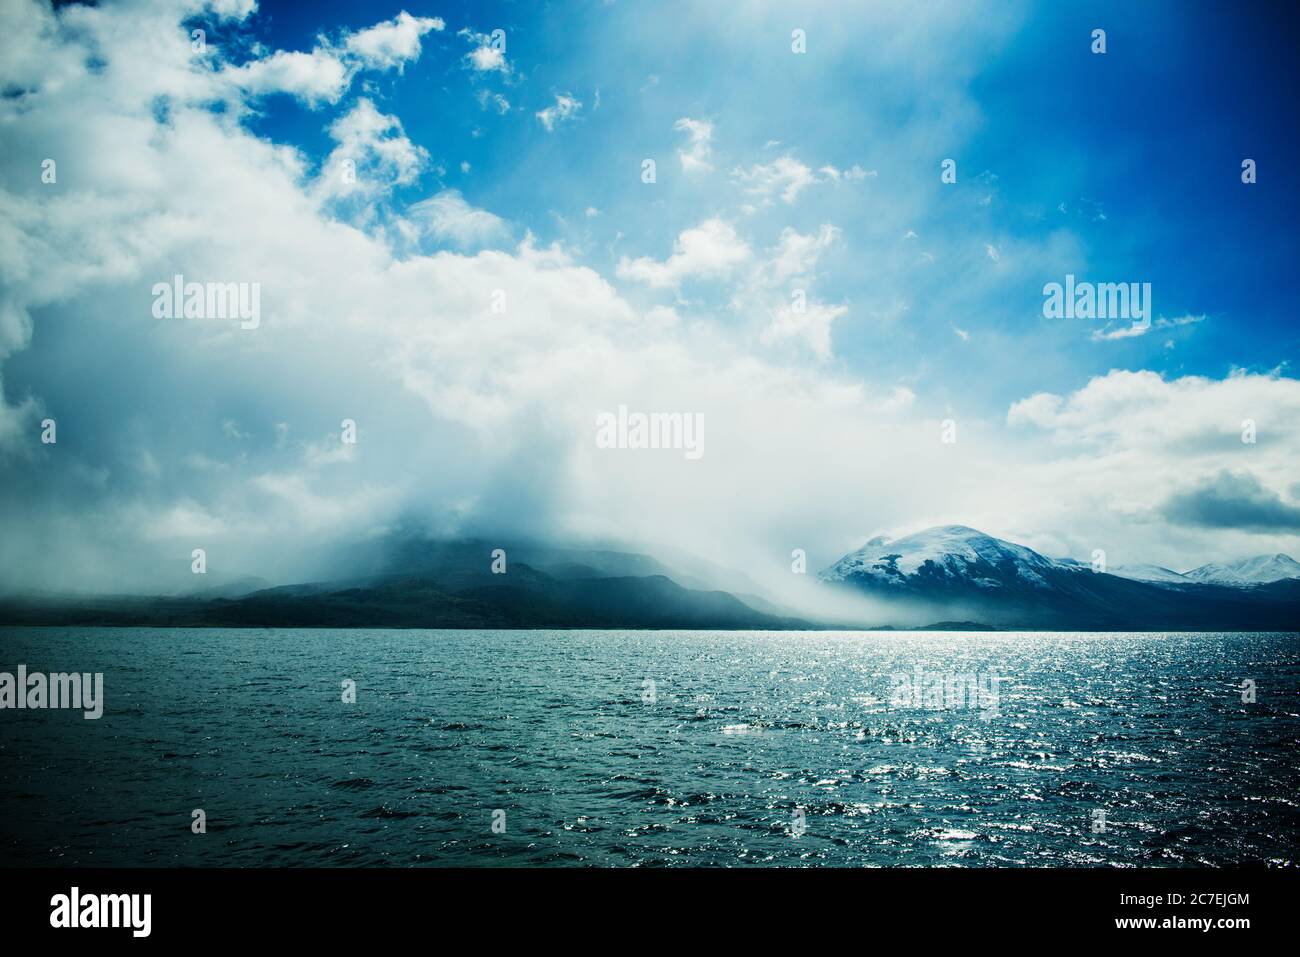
(457, 249)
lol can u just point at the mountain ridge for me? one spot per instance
(968, 574)
(1261, 569)
(955, 576)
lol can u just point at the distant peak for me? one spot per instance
(949, 531)
(946, 536)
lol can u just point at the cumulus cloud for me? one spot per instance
(1143, 409)
(486, 58)
(325, 74)
(711, 250)
(317, 77)
(393, 43)
(1119, 444)
(372, 154)
(488, 55)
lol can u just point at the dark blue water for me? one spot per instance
(757, 749)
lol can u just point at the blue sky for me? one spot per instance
(779, 174)
(1149, 136)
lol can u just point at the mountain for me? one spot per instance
(438, 584)
(960, 573)
(1148, 573)
(1249, 571)
(955, 575)
(948, 556)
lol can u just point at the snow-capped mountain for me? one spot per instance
(954, 572)
(949, 553)
(1249, 571)
(1148, 573)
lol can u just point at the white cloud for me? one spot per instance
(317, 77)
(810, 323)
(487, 56)
(711, 250)
(393, 43)
(232, 9)
(1142, 409)
(489, 100)
(325, 74)
(564, 108)
(787, 177)
(372, 155)
(796, 254)
(699, 136)
(1127, 442)
(853, 174)
(779, 290)
(451, 219)
(1112, 331)
(784, 175)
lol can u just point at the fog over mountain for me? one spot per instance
(952, 577)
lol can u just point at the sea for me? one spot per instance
(354, 748)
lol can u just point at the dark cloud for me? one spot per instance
(1233, 500)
